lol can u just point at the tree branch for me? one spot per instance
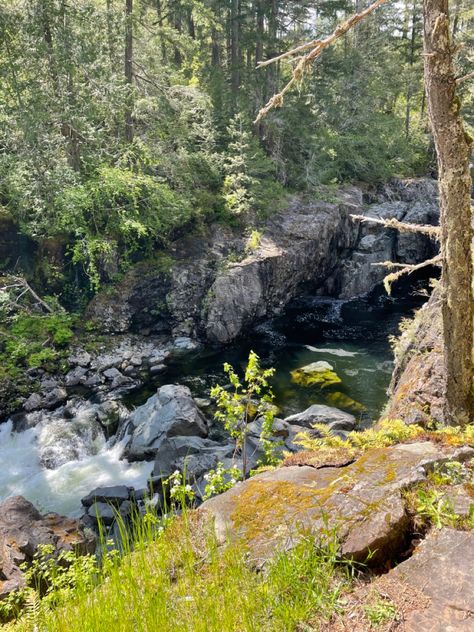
(317, 48)
(403, 227)
(470, 75)
(21, 282)
(405, 269)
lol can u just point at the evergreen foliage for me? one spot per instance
(69, 168)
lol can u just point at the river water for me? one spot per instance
(352, 336)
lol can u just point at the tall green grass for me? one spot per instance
(175, 578)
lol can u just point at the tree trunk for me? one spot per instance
(235, 46)
(453, 148)
(129, 131)
(411, 61)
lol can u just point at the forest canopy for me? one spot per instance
(123, 121)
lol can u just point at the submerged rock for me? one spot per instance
(23, 529)
(319, 373)
(341, 400)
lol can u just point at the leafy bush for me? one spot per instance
(37, 340)
(116, 214)
(245, 401)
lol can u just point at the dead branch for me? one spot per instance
(406, 268)
(403, 227)
(470, 75)
(306, 60)
(20, 283)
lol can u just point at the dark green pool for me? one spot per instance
(353, 336)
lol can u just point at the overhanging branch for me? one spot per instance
(403, 227)
(405, 268)
(306, 60)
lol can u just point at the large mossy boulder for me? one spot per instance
(363, 501)
(319, 373)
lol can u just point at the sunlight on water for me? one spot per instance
(60, 489)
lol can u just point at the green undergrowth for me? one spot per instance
(328, 447)
(433, 503)
(174, 577)
(35, 340)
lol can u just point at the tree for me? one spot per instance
(453, 148)
(249, 400)
(128, 67)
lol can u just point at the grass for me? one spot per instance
(176, 579)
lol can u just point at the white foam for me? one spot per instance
(60, 489)
(342, 353)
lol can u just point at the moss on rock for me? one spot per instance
(320, 374)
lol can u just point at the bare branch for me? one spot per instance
(470, 75)
(290, 53)
(317, 48)
(405, 269)
(17, 282)
(403, 227)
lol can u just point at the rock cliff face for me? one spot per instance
(214, 288)
(416, 390)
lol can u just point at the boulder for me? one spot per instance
(23, 529)
(170, 413)
(319, 373)
(114, 495)
(319, 414)
(362, 500)
(441, 568)
(193, 455)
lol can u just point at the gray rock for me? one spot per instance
(130, 371)
(34, 402)
(171, 412)
(112, 373)
(93, 381)
(110, 413)
(195, 455)
(135, 360)
(82, 358)
(115, 495)
(102, 512)
(320, 414)
(54, 397)
(74, 377)
(185, 343)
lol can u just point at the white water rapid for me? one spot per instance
(78, 459)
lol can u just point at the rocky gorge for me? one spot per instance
(206, 293)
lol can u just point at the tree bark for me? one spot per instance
(453, 148)
(128, 67)
(235, 46)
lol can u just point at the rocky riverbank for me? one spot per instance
(213, 287)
